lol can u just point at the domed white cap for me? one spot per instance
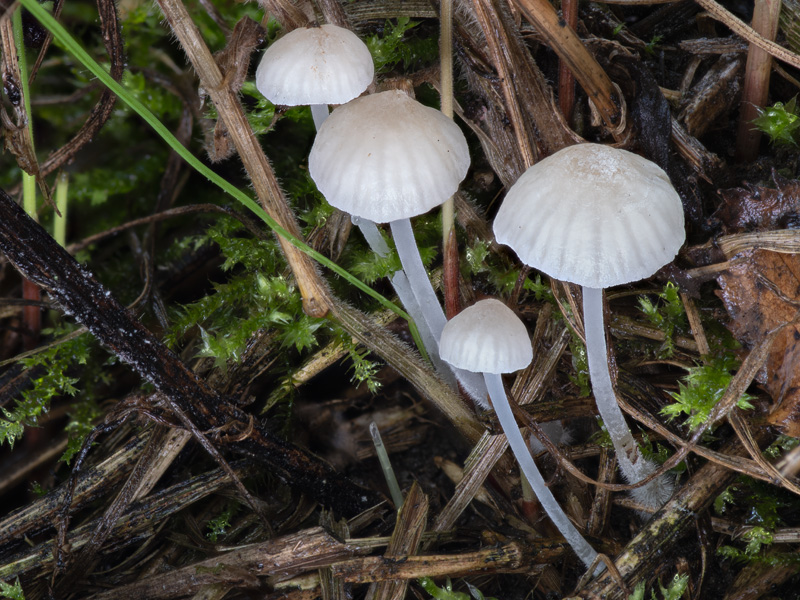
(386, 157)
(487, 337)
(593, 215)
(318, 65)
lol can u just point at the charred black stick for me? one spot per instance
(72, 286)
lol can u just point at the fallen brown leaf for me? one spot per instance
(759, 208)
(761, 292)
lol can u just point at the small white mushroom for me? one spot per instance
(597, 216)
(315, 66)
(489, 338)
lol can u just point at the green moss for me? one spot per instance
(762, 507)
(53, 375)
(702, 388)
(256, 295)
(394, 46)
(780, 122)
(667, 314)
(219, 525)
(446, 592)
(674, 591)
(12, 592)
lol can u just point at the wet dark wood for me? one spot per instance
(73, 287)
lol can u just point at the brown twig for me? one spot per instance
(112, 38)
(404, 543)
(566, 43)
(566, 80)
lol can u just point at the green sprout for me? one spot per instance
(218, 526)
(364, 370)
(780, 122)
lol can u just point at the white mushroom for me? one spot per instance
(315, 66)
(489, 338)
(386, 158)
(597, 216)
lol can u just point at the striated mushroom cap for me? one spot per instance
(487, 337)
(318, 65)
(593, 215)
(386, 157)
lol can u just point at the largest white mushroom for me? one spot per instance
(597, 216)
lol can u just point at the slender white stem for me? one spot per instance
(417, 275)
(319, 112)
(597, 356)
(631, 462)
(502, 409)
(428, 302)
(403, 289)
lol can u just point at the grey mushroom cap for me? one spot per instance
(318, 65)
(386, 157)
(487, 337)
(593, 215)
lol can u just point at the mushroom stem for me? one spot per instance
(319, 112)
(428, 303)
(502, 409)
(631, 462)
(403, 289)
(406, 246)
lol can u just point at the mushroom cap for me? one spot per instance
(386, 157)
(487, 337)
(593, 215)
(318, 65)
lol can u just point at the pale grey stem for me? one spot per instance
(403, 289)
(432, 312)
(386, 466)
(502, 409)
(631, 462)
(319, 112)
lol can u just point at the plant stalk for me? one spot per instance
(756, 80)
(31, 315)
(449, 243)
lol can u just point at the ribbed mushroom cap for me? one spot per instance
(593, 215)
(386, 157)
(318, 65)
(487, 337)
